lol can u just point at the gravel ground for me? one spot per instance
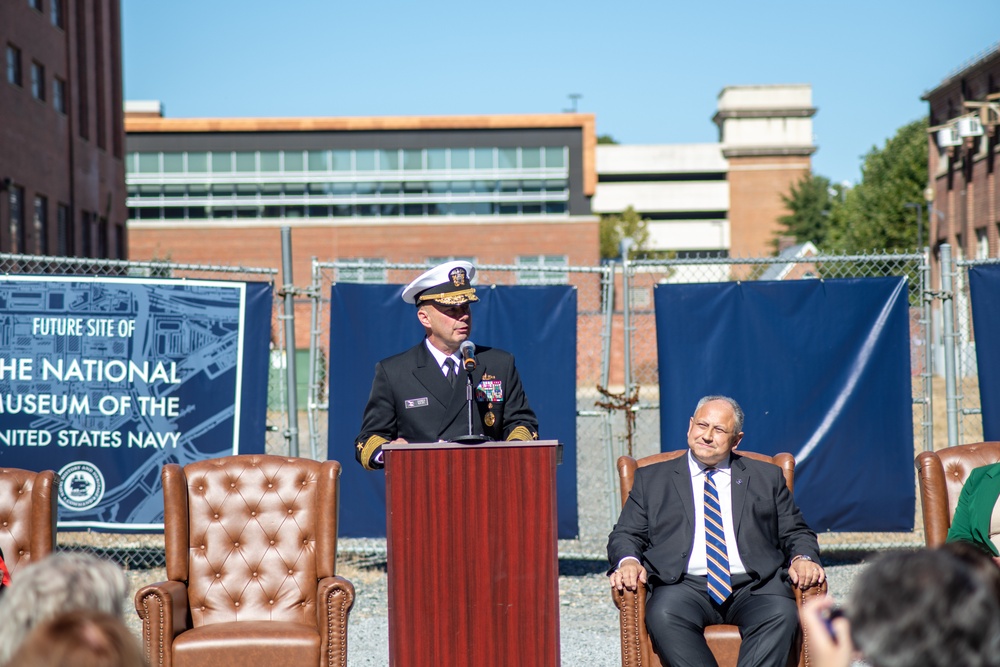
(588, 620)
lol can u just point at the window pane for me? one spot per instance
(556, 186)
(295, 189)
(319, 160)
(364, 160)
(555, 157)
(270, 161)
(246, 161)
(531, 186)
(437, 187)
(149, 163)
(555, 207)
(484, 187)
(461, 209)
(197, 190)
(341, 160)
(294, 161)
(413, 159)
(390, 188)
(222, 162)
(271, 189)
(222, 190)
(508, 158)
(414, 187)
(460, 158)
(129, 163)
(436, 158)
(173, 162)
(531, 158)
(461, 187)
(484, 158)
(364, 188)
(197, 163)
(388, 160)
(175, 191)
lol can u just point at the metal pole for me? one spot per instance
(626, 245)
(314, 385)
(948, 323)
(289, 291)
(608, 291)
(928, 374)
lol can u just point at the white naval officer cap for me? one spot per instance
(449, 284)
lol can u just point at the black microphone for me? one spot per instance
(468, 350)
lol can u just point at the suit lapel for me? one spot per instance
(430, 376)
(739, 480)
(682, 487)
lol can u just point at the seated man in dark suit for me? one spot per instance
(420, 395)
(717, 538)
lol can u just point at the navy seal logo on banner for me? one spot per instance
(81, 485)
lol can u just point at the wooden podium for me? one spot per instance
(473, 565)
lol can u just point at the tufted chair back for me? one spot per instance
(251, 548)
(27, 516)
(251, 535)
(941, 475)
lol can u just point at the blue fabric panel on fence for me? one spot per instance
(984, 291)
(154, 371)
(821, 369)
(537, 324)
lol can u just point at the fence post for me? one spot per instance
(948, 336)
(928, 374)
(288, 290)
(626, 246)
(314, 383)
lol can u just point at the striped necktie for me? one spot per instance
(719, 586)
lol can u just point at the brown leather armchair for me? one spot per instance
(941, 476)
(723, 640)
(27, 516)
(251, 546)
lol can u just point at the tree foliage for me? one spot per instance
(809, 203)
(606, 139)
(873, 215)
(628, 224)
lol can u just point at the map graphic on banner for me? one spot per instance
(104, 380)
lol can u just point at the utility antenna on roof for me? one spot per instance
(573, 97)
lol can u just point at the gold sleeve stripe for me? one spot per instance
(521, 433)
(373, 443)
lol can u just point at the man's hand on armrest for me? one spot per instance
(629, 574)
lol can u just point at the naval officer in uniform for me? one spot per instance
(420, 395)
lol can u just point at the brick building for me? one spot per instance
(493, 189)
(964, 141)
(62, 180)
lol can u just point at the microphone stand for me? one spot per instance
(470, 439)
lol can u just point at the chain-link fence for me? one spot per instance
(142, 551)
(617, 384)
(617, 366)
(643, 275)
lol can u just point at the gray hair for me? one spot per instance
(56, 584)
(924, 607)
(737, 410)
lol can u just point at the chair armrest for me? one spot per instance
(801, 597)
(163, 608)
(632, 619)
(334, 599)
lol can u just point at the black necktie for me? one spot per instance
(449, 366)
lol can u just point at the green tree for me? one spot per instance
(606, 139)
(809, 203)
(628, 224)
(873, 215)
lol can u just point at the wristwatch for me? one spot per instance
(802, 556)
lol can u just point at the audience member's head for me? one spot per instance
(924, 607)
(81, 638)
(979, 560)
(55, 584)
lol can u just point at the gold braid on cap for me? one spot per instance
(521, 433)
(450, 298)
(368, 448)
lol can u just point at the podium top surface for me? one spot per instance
(458, 445)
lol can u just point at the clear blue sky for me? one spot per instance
(650, 71)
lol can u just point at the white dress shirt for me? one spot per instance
(698, 564)
(440, 357)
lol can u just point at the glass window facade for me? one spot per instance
(386, 183)
(14, 65)
(38, 81)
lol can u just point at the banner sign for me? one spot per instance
(984, 292)
(105, 380)
(821, 369)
